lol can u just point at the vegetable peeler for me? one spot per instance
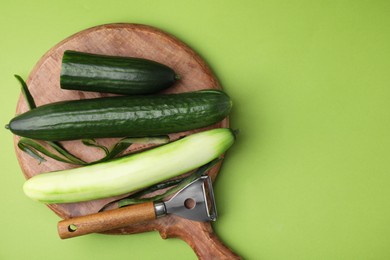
(195, 202)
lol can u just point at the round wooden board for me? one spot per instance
(132, 40)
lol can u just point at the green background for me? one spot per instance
(309, 175)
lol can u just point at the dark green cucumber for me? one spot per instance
(135, 116)
(113, 74)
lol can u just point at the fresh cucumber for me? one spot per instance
(133, 116)
(130, 173)
(113, 74)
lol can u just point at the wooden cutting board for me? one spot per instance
(132, 40)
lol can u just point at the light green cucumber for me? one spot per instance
(130, 173)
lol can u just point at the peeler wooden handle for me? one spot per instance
(107, 220)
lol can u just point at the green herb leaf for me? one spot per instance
(26, 93)
(32, 148)
(93, 143)
(33, 153)
(61, 150)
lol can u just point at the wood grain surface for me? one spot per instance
(106, 220)
(131, 40)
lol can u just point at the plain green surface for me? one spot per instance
(309, 176)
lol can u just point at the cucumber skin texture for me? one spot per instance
(132, 172)
(124, 116)
(114, 74)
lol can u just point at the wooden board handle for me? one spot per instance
(200, 237)
(207, 245)
(107, 220)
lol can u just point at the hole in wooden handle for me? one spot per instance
(72, 228)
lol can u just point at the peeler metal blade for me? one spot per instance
(195, 202)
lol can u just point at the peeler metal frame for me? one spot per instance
(195, 201)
